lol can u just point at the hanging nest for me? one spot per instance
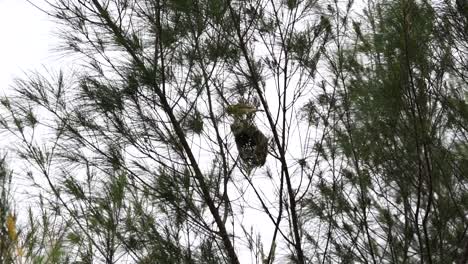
(251, 143)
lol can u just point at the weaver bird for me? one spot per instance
(241, 109)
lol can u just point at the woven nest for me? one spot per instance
(251, 143)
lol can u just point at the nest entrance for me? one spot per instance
(251, 143)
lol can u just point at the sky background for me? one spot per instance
(26, 43)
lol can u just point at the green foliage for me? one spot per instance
(397, 138)
(106, 97)
(194, 123)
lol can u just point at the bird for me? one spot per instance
(240, 109)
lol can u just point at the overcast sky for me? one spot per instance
(26, 41)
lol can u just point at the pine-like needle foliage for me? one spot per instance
(352, 123)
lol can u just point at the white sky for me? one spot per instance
(26, 41)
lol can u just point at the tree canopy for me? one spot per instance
(253, 131)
